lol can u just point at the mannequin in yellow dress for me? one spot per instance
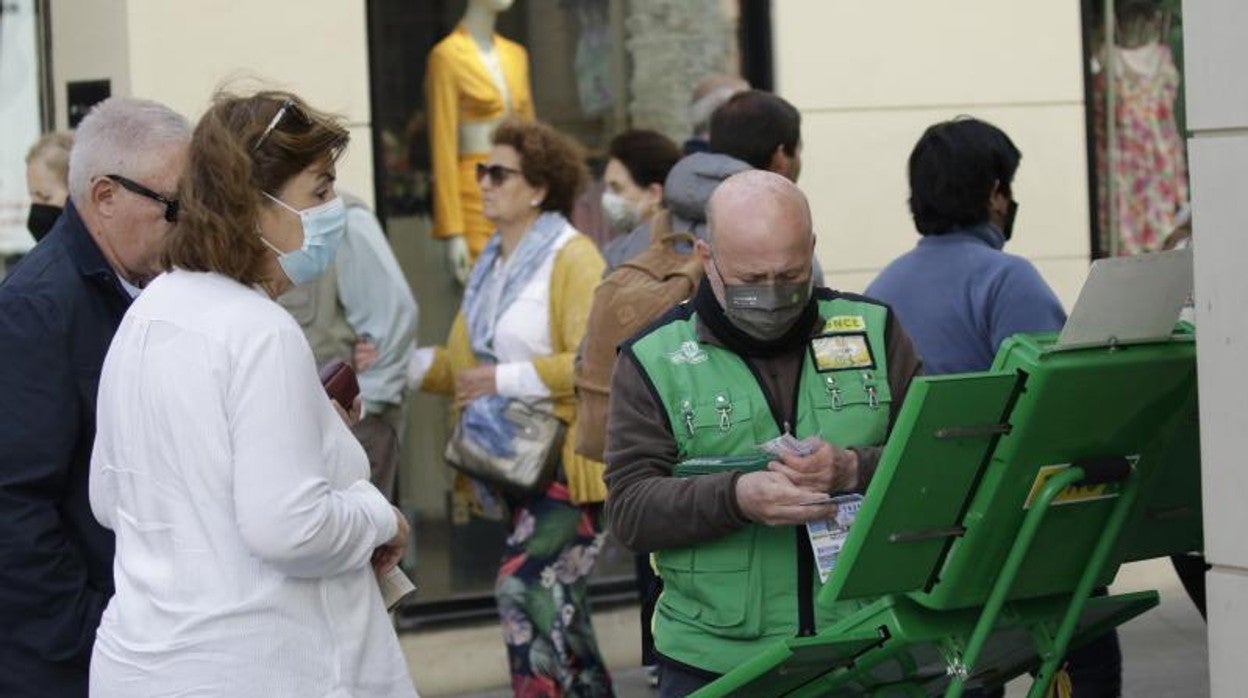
(475, 78)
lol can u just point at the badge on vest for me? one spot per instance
(845, 323)
(688, 354)
(838, 351)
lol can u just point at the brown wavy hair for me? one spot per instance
(220, 195)
(547, 158)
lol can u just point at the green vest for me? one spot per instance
(726, 600)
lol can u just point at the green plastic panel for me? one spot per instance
(790, 665)
(1132, 401)
(896, 647)
(940, 440)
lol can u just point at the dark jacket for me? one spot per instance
(59, 309)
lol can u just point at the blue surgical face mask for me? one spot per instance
(323, 228)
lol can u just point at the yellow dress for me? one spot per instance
(462, 97)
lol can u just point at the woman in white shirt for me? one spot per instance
(524, 313)
(244, 517)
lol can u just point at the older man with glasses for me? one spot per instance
(58, 312)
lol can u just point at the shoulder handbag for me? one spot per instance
(538, 448)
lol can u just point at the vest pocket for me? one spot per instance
(714, 586)
(714, 425)
(857, 402)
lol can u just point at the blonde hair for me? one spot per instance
(52, 150)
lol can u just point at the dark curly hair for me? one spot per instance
(547, 159)
(234, 156)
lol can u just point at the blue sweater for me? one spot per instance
(958, 296)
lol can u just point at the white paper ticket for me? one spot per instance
(827, 536)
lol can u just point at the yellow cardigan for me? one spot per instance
(577, 270)
(459, 89)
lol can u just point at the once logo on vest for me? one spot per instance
(845, 323)
(688, 354)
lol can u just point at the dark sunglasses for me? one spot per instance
(497, 173)
(288, 107)
(171, 205)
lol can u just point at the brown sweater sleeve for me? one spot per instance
(903, 365)
(647, 509)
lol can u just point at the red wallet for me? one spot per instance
(339, 380)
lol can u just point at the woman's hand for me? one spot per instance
(354, 416)
(475, 382)
(388, 555)
(365, 354)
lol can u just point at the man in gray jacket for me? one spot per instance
(753, 130)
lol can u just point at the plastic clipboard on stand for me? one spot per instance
(1002, 499)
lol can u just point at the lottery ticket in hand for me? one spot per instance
(827, 536)
(787, 444)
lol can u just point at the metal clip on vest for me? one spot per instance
(868, 382)
(686, 413)
(834, 392)
(724, 407)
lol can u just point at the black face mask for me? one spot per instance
(1007, 226)
(41, 219)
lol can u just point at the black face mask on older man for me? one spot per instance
(41, 219)
(765, 311)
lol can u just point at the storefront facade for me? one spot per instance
(867, 78)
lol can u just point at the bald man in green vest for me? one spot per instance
(758, 352)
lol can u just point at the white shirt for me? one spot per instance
(242, 509)
(521, 333)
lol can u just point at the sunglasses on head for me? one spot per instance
(497, 173)
(288, 107)
(171, 205)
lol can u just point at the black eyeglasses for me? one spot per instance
(171, 205)
(288, 107)
(497, 173)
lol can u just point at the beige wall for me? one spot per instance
(869, 77)
(89, 42)
(179, 51)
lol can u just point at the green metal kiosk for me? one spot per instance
(1001, 501)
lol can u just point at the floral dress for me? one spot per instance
(1149, 169)
(542, 593)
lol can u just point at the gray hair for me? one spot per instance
(117, 137)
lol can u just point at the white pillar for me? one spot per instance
(1217, 115)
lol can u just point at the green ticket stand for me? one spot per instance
(1001, 501)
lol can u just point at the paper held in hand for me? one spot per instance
(395, 586)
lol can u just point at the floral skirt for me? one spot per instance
(542, 593)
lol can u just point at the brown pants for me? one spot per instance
(379, 436)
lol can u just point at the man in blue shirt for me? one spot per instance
(959, 295)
